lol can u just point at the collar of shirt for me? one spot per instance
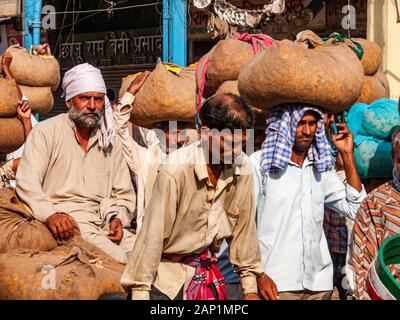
(306, 163)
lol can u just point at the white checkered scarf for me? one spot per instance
(280, 138)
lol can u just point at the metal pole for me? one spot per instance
(28, 17)
(166, 30)
(178, 11)
(32, 24)
(36, 22)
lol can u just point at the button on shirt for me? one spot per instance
(289, 217)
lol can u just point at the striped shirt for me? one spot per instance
(377, 219)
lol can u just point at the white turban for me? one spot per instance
(86, 78)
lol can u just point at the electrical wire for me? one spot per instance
(62, 26)
(106, 10)
(82, 19)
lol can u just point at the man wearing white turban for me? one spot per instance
(73, 173)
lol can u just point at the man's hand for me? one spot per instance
(24, 110)
(345, 144)
(6, 59)
(61, 226)
(138, 82)
(267, 288)
(251, 296)
(343, 141)
(116, 230)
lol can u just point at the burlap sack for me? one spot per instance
(34, 71)
(76, 270)
(374, 88)
(329, 77)
(372, 58)
(18, 229)
(260, 115)
(226, 60)
(229, 87)
(309, 39)
(165, 96)
(11, 134)
(40, 98)
(126, 82)
(8, 98)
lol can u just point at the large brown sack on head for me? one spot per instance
(34, 70)
(40, 98)
(74, 271)
(166, 96)
(329, 77)
(18, 229)
(11, 134)
(8, 98)
(226, 60)
(374, 88)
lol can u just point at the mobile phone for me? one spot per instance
(334, 127)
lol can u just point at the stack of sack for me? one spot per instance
(376, 84)
(11, 129)
(305, 71)
(218, 71)
(372, 126)
(169, 93)
(34, 266)
(38, 75)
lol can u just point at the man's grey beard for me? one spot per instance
(81, 118)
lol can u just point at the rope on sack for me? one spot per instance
(338, 38)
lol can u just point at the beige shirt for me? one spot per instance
(187, 214)
(56, 175)
(142, 162)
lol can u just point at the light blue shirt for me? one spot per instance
(289, 216)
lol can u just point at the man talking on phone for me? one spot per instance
(295, 179)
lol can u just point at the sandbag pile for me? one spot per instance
(74, 271)
(223, 63)
(38, 76)
(169, 93)
(34, 266)
(218, 71)
(376, 84)
(372, 127)
(329, 77)
(11, 129)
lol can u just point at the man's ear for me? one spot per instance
(68, 104)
